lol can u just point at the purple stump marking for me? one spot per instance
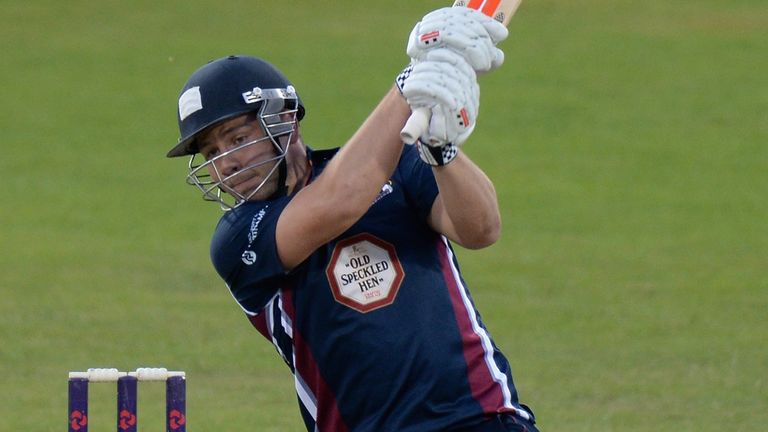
(126, 404)
(176, 404)
(78, 405)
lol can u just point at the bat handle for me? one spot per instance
(416, 125)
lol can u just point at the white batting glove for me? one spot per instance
(444, 83)
(466, 31)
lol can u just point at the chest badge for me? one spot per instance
(364, 273)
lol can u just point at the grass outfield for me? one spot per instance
(627, 141)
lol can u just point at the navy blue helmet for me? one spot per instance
(226, 88)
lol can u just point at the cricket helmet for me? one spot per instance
(226, 88)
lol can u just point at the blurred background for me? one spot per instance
(627, 141)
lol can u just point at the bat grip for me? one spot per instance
(416, 125)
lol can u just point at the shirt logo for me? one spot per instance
(385, 190)
(255, 225)
(249, 256)
(364, 273)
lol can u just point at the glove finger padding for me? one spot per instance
(440, 56)
(466, 31)
(448, 126)
(495, 30)
(436, 89)
(447, 85)
(453, 118)
(440, 83)
(437, 84)
(437, 63)
(478, 51)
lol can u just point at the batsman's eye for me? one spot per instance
(240, 139)
(210, 152)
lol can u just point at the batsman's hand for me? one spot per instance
(468, 32)
(445, 84)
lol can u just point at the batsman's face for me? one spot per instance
(242, 157)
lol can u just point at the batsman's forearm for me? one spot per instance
(344, 191)
(467, 210)
(368, 159)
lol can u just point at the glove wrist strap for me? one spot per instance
(437, 156)
(402, 76)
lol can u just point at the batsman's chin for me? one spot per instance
(249, 188)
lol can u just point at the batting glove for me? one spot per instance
(447, 85)
(468, 32)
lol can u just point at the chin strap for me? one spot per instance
(282, 175)
(282, 172)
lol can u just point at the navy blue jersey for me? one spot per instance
(377, 326)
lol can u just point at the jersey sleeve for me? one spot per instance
(244, 253)
(418, 181)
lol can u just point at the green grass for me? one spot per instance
(627, 142)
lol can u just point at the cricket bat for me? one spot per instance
(500, 10)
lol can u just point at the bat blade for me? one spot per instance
(500, 10)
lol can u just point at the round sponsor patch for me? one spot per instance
(249, 257)
(364, 273)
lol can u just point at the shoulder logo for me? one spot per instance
(254, 231)
(364, 273)
(387, 189)
(249, 256)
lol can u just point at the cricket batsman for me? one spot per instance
(343, 258)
